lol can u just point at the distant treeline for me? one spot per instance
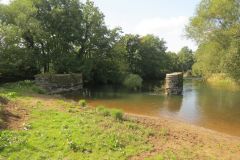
(67, 36)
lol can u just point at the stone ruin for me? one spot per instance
(59, 83)
(174, 84)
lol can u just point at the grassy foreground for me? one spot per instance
(49, 127)
(66, 130)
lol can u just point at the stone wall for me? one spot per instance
(58, 83)
(174, 83)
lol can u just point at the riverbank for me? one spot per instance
(222, 80)
(51, 127)
(188, 141)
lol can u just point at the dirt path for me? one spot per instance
(14, 116)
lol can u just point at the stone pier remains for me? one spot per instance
(58, 83)
(174, 84)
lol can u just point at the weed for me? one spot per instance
(117, 114)
(82, 103)
(103, 111)
(164, 132)
(10, 95)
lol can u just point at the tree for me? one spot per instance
(185, 59)
(67, 36)
(153, 57)
(18, 55)
(215, 27)
(173, 62)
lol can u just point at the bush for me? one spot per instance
(133, 81)
(103, 111)
(7, 96)
(117, 114)
(23, 87)
(38, 90)
(82, 103)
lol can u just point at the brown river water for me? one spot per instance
(210, 107)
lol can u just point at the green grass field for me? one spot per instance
(69, 131)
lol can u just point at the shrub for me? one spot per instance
(23, 87)
(103, 111)
(133, 81)
(38, 90)
(26, 83)
(9, 95)
(117, 114)
(82, 103)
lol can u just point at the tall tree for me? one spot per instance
(153, 57)
(216, 28)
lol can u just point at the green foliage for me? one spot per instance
(173, 62)
(231, 62)
(133, 81)
(117, 114)
(215, 27)
(68, 36)
(82, 103)
(185, 59)
(153, 57)
(103, 111)
(14, 90)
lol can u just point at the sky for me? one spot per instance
(163, 18)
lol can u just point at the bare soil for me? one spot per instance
(187, 141)
(14, 116)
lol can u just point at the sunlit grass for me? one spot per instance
(71, 133)
(223, 81)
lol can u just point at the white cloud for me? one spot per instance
(171, 30)
(4, 1)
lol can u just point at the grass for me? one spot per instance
(53, 133)
(222, 80)
(12, 90)
(59, 135)
(115, 113)
(167, 155)
(82, 103)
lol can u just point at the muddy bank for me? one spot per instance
(186, 140)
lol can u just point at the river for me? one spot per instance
(202, 105)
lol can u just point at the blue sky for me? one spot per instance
(164, 18)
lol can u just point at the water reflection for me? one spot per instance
(173, 104)
(214, 108)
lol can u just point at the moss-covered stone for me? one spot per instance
(174, 83)
(56, 83)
